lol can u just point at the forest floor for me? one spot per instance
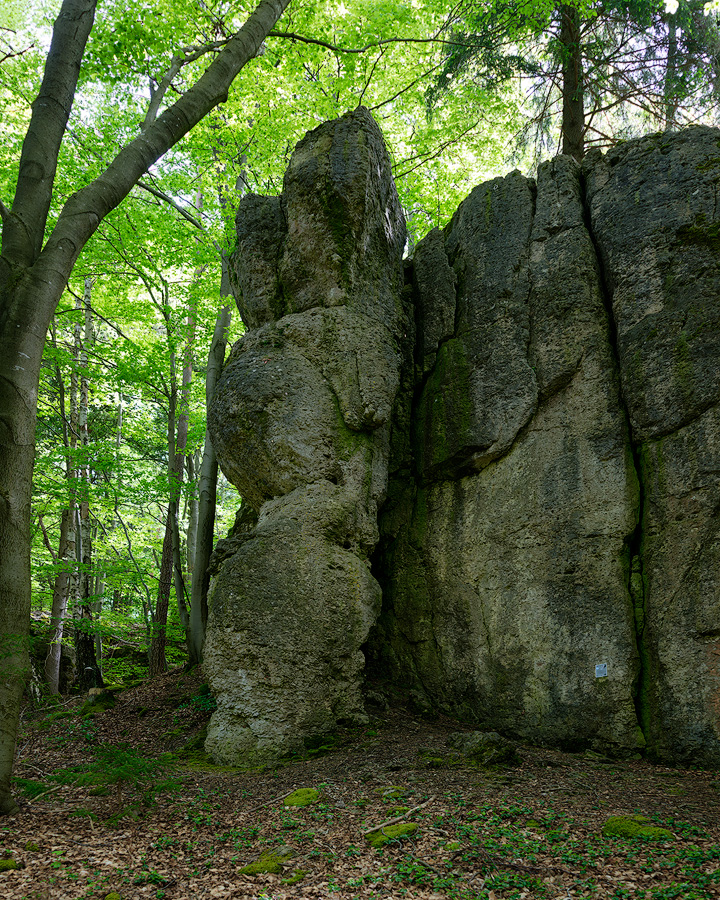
(109, 805)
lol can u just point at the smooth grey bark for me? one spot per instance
(33, 276)
(207, 491)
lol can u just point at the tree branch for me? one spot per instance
(46, 539)
(22, 241)
(161, 195)
(423, 158)
(189, 54)
(372, 46)
(85, 209)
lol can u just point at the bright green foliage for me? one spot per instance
(156, 274)
(153, 268)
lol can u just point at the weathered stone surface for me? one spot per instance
(481, 390)
(290, 611)
(301, 425)
(653, 208)
(506, 588)
(681, 601)
(261, 230)
(531, 426)
(485, 748)
(434, 282)
(654, 215)
(346, 230)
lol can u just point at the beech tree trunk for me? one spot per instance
(573, 112)
(33, 276)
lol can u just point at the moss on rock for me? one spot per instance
(97, 703)
(6, 865)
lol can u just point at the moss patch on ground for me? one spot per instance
(302, 797)
(635, 827)
(98, 704)
(389, 833)
(270, 862)
(7, 864)
(296, 876)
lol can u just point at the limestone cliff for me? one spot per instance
(500, 483)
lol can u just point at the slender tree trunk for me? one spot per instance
(99, 588)
(89, 674)
(193, 466)
(670, 85)
(59, 609)
(207, 491)
(157, 664)
(33, 274)
(573, 113)
(66, 552)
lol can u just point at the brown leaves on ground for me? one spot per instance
(180, 833)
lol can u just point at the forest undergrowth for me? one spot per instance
(121, 803)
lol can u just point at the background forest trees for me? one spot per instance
(459, 91)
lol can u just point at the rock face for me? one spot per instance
(301, 425)
(525, 442)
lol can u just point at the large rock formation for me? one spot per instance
(534, 425)
(301, 426)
